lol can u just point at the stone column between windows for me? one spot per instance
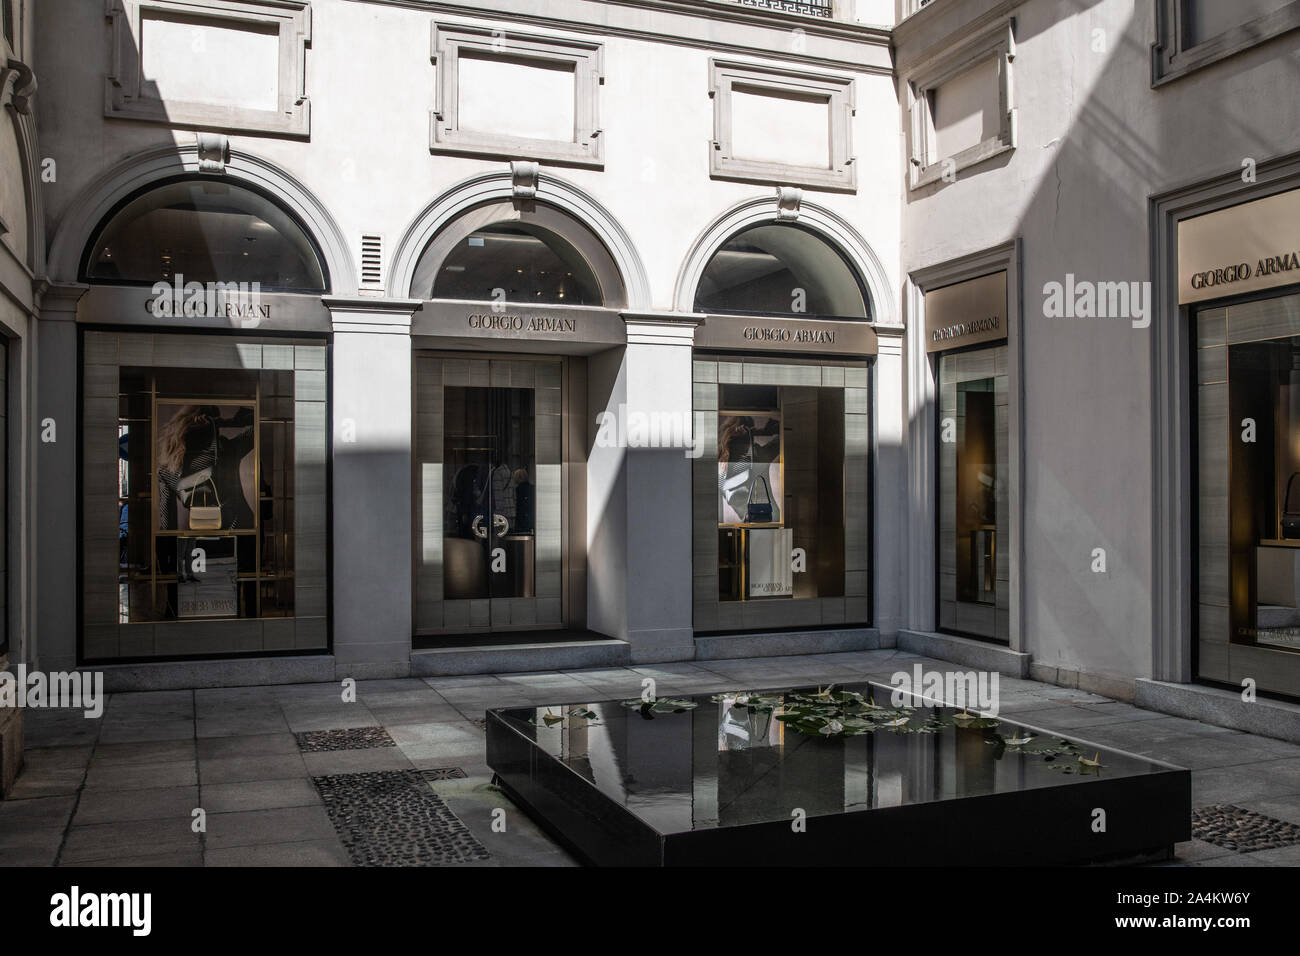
(890, 560)
(371, 469)
(56, 420)
(657, 479)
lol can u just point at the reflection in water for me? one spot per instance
(725, 764)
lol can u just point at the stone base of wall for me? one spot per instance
(11, 748)
(1119, 688)
(965, 651)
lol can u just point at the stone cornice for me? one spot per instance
(693, 23)
(58, 300)
(942, 26)
(661, 328)
(371, 315)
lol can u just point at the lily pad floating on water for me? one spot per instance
(759, 703)
(977, 721)
(548, 719)
(659, 705)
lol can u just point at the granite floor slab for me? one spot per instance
(121, 789)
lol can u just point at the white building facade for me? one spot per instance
(384, 337)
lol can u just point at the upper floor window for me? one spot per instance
(1205, 19)
(205, 230)
(782, 126)
(781, 269)
(961, 106)
(1196, 33)
(510, 94)
(237, 66)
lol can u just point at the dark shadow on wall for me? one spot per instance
(1079, 198)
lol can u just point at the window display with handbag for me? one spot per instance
(1291, 510)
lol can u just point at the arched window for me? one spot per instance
(540, 256)
(205, 230)
(781, 269)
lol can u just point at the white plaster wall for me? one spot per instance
(1095, 143)
(372, 87)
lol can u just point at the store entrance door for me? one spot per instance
(489, 494)
(490, 540)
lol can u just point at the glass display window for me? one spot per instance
(783, 488)
(1248, 492)
(204, 461)
(973, 567)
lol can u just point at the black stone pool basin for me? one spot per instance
(766, 779)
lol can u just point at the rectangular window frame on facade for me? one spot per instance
(1172, 58)
(997, 42)
(1254, 638)
(838, 91)
(8, 347)
(924, 354)
(586, 58)
(559, 557)
(9, 17)
(126, 95)
(853, 608)
(964, 616)
(102, 636)
(1202, 237)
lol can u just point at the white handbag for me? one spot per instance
(205, 505)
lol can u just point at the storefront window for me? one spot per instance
(206, 489)
(1249, 478)
(783, 483)
(973, 585)
(205, 230)
(203, 470)
(4, 495)
(780, 493)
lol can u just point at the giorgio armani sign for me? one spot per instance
(966, 313)
(522, 324)
(827, 336)
(1246, 248)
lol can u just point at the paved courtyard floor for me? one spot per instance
(122, 790)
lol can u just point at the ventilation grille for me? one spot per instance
(372, 262)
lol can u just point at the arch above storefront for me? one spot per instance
(154, 167)
(535, 256)
(766, 210)
(206, 229)
(499, 188)
(781, 268)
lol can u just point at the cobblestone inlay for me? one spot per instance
(1244, 831)
(443, 773)
(351, 738)
(393, 818)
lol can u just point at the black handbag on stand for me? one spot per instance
(1290, 516)
(758, 512)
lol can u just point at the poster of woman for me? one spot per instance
(206, 463)
(749, 469)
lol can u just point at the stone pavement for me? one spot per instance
(121, 790)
